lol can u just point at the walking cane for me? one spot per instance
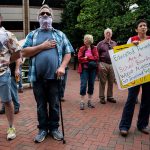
(61, 114)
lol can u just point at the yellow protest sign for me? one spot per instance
(137, 81)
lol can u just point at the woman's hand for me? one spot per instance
(86, 57)
(136, 42)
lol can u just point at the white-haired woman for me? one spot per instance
(88, 58)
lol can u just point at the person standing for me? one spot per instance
(128, 111)
(49, 51)
(87, 53)
(106, 72)
(9, 52)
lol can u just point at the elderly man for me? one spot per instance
(105, 67)
(9, 52)
(50, 52)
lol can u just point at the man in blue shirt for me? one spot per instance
(50, 52)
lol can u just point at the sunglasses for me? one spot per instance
(43, 13)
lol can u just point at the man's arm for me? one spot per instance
(17, 68)
(31, 51)
(66, 60)
(15, 56)
(61, 70)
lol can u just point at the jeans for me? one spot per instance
(87, 77)
(63, 84)
(144, 112)
(5, 86)
(46, 94)
(14, 93)
(20, 81)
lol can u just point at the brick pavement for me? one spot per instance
(91, 129)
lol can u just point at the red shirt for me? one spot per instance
(81, 55)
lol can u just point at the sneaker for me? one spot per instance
(11, 133)
(81, 106)
(111, 100)
(40, 136)
(2, 111)
(102, 101)
(145, 130)
(124, 133)
(90, 105)
(20, 90)
(57, 135)
(16, 110)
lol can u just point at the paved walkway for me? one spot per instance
(91, 129)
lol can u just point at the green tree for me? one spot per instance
(69, 20)
(93, 16)
(96, 16)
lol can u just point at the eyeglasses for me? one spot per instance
(43, 13)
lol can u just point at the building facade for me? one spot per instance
(20, 16)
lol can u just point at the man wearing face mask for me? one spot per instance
(106, 72)
(49, 51)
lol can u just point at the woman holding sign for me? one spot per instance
(144, 112)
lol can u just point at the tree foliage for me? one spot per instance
(69, 20)
(93, 16)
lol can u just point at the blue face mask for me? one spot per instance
(45, 22)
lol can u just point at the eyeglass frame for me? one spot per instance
(43, 13)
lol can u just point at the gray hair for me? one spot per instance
(46, 6)
(90, 37)
(107, 30)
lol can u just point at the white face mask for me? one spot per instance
(45, 22)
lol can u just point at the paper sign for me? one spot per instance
(135, 59)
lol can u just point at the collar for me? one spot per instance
(50, 29)
(107, 42)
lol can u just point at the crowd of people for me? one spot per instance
(49, 51)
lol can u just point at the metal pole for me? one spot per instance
(26, 23)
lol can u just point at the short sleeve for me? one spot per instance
(129, 41)
(28, 40)
(13, 43)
